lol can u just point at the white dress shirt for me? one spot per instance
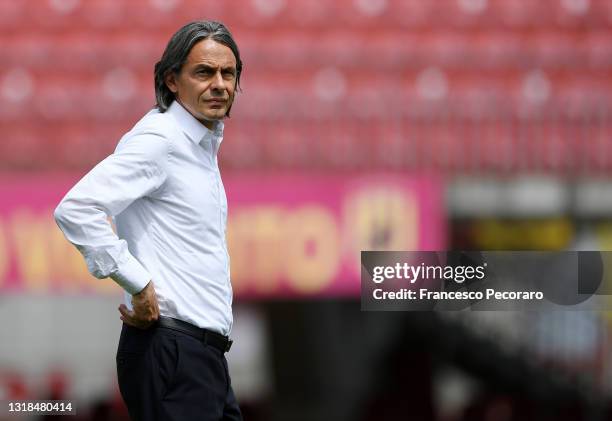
(163, 188)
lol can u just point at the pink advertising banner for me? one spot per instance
(290, 235)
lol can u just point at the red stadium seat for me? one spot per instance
(453, 85)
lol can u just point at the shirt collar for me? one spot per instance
(193, 129)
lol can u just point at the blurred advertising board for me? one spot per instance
(288, 234)
(494, 233)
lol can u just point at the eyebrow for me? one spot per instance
(212, 68)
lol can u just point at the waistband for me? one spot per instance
(208, 337)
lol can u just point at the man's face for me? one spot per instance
(206, 84)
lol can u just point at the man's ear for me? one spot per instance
(170, 80)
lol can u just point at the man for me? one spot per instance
(163, 188)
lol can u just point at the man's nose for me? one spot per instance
(218, 83)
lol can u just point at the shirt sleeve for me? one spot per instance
(136, 169)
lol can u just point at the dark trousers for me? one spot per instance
(165, 375)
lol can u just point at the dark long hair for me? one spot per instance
(178, 49)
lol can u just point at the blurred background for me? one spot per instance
(361, 125)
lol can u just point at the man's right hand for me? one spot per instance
(145, 308)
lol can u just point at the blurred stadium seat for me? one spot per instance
(92, 62)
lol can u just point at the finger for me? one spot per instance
(125, 312)
(133, 318)
(134, 322)
(127, 316)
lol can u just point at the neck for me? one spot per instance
(209, 124)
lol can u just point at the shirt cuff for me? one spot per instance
(131, 276)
